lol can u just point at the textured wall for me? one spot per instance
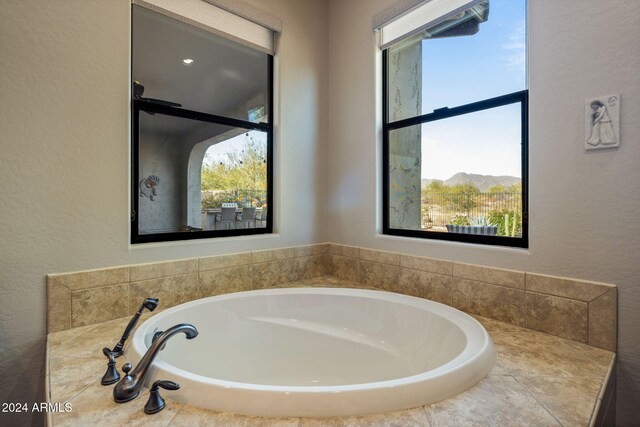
(65, 159)
(165, 156)
(584, 205)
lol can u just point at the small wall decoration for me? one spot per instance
(602, 122)
(148, 186)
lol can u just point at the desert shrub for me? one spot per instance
(460, 220)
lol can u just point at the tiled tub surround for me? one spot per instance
(579, 310)
(90, 297)
(539, 380)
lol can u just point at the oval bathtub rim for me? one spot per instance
(460, 361)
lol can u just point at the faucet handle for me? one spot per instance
(167, 385)
(112, 375)
(156, 403)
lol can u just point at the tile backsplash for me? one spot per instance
(578, 310)
(88, 297)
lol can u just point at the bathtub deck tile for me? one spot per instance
(415, 417)
(191, 416)
(94, 406)
(583, 391)
(533, 369)
(538, 354)
(495, 401)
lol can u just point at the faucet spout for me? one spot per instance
(129, 386)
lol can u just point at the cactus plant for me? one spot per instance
(480, 221)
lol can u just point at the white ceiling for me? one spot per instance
(222, 79)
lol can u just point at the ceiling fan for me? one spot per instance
(138, 90)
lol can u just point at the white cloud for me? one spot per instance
(516, 48)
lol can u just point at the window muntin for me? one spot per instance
(221, 103)
(458, 102)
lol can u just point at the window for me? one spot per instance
(455, 106)
(202, 133)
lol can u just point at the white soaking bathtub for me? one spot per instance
(317, 352)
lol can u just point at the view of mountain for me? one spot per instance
(483, 182)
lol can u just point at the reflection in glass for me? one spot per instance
(181, 64)
(190, 170)
(474, 55)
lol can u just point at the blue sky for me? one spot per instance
(218, 152)
(460, 70)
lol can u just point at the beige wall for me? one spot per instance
(64, 156)
(64, 85)
(584, 205)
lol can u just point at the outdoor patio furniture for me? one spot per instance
(261, 216)
(227, 216)
(247, 217)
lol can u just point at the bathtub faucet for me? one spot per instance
(150, 304)
(129, 387)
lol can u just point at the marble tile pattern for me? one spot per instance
(172, 290)
(538, 380)
(569, 319)
(89, 306)
(484, 299)
(580, 310)
(603, 320)
(92, 297)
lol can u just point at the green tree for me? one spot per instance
(432, 192)
(463, 197)
(214, 177)
(436, 186)
(515, 188)
(242, 171)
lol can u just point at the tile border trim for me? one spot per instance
(346, 262)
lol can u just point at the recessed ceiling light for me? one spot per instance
(187, 61)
